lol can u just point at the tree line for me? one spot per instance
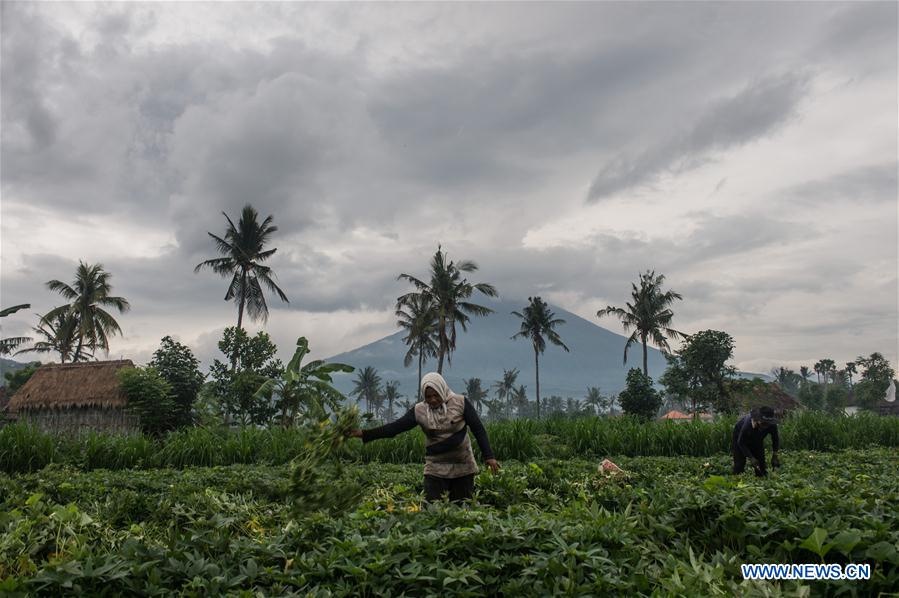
(438, 308)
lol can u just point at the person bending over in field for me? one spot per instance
(445, 417)
(749, 437)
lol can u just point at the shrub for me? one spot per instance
(150, 398)
(178, 366)
(639, 398)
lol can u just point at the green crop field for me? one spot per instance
(670, 525)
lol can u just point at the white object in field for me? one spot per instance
(891, 393)
(607, 465)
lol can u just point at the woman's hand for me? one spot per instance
(354, 433)
(493, 465)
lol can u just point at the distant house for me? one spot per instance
(675, 415)
(678, 416)
(72, 397)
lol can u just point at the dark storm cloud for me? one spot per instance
(757, 110)
(474, 145)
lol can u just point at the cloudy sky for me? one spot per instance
(747, 151)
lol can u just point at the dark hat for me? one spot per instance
(764, 415)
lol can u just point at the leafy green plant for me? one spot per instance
(178, 366)
(149, 398)
(319, 480)
(304, 390)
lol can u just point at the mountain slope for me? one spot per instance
(486, 349)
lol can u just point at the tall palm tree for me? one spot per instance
(851, 368)
(59, 335)
(805, 373)
(391, 395)
(555, 404)
(573, 406)
(449, 292)
(89, 294)
(596, 400)
(649, 315)
(367, 387)
(418, 319)
(819, 368)
(831, 369)
(538, 324)
(474, 392)
(828, 369)
(243, 251)
(8, 345)
(520, 399)
(503, 388)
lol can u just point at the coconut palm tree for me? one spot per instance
(851, 368)
(595, 399)
(367, 387)
(243, 251)
(538, 324)
(474, 392)
(503, 388)
(520, 400)
(649, 315)
(58, 335)
(391, 395)
(573, 406)
(555, 404)
(449, 292)
(89, 294)
(8, 345)
(827, 368)
(819, 368)
(805, 373)
(418, 319)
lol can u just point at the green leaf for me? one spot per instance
(815, 542)
(883, 551)
(845, 541)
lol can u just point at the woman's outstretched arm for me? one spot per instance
(389, 430)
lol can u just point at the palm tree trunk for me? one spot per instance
(441, 350)
(645, 367)
(243, 297)
(418, 392)
(537, 371)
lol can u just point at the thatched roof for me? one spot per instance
(768, 395)
(67, 385)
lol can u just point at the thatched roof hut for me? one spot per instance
(767, 395)
(75, 396)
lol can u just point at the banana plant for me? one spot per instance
(8, 345)
(305, 389)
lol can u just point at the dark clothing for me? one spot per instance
(407, 422)
(749, 442)
(459, 489)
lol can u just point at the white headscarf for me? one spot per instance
(435, 381)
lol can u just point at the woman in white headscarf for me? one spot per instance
(445, 418)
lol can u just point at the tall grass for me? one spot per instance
(24, 448)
